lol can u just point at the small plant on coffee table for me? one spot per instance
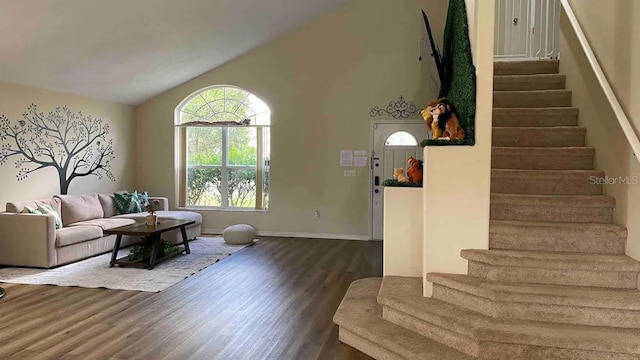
(152, 207)
(142, 251)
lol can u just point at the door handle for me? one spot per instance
(376, 181)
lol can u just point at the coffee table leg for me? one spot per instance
(116, 247)
(155, 241)
(184, 240)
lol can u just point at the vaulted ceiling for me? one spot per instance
(127, 51)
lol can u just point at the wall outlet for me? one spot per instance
(316, 214)
(350, 173)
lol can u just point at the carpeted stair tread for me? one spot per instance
(528, 82)
(557, 237)
(540, 137)
(546, 182)
(535, 117)
(501, 291)
(477, 328)
(560, 268)
(362, 327)
(526, 67)
(617, 308)
(542, 158)
(553, 260)
(545, 151)
(532, 98)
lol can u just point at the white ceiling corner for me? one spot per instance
(128, 51)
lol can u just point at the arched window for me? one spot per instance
(401, 138)
(224, 138)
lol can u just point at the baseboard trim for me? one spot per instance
(296, 235)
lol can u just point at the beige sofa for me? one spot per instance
(31, 240)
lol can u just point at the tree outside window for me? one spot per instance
(225, 142)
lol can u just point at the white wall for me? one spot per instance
(320, 83)
(403, 221)
(457, 178)
(471, 20)
(44, 183)
(614, 36)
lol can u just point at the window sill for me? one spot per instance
(206, 208)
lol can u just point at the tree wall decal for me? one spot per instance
(75, 144)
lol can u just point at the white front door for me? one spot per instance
(393, 142)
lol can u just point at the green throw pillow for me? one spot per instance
(127, 203)
(30, 210)
(48, 210)
(144, 198)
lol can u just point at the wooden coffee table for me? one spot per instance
(152, 233)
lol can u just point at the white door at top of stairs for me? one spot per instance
(526, 29)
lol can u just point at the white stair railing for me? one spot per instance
(526, 29)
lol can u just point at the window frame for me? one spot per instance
(404, 132)
(262, 163)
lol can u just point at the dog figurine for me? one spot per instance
(398, 174)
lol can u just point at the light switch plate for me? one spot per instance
(350, 173)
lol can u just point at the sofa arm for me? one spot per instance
(164, 202)
(27, 240)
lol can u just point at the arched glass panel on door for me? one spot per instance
(401, 138)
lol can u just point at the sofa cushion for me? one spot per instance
(18, 206)
(106, 223)
(175, 215)
(108, 205)
(77, 234)
(76, 208)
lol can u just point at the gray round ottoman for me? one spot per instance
(240, 234)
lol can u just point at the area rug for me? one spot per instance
(96, 273)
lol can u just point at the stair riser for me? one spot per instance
(558, 241)
(539, 137)
(575, 315)
(541, 162)
(530, 99)
(501, 351)
(551, 213)
(612, 279)
(464, 300)
(561, 184)
(570, 315)
(523, 83)
(443, 335)
(366, 346)
(528, 68)
(533, 118)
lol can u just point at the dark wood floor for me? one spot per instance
(273, 300)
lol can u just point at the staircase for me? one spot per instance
(554, 284)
